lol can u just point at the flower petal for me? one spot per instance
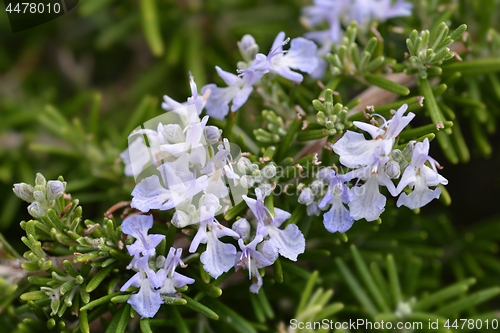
(338, 218)
(149, 194)
(366, 201)
(289, 242)
(219, 257)
(147, 301)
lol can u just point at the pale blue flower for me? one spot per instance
(242, 228)
(182, 186)
(301, 56)
(354, 150)
(366, 201)
(333, 12)
(218, 257)
(338, 218)
(419, 177)
(147, 301)
(171, 279)
(137, 226)
(252, 260)
(237, 91)
(290, 242)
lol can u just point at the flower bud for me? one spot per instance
(408, 151)
(36, 210)
(40, 180)
(257, 176)
(324, 174)
(242, 228)
(306, 197)
(313, 209)
(397, 155)
(392, 169)
(209, 200)
(269, 171)
(173, 133)
(180, 219)
(317, 186)
(268, 250)
(248, 48)
(212, 134)
(24, 191)
(244, 165)
(247, 181)
(55, 189)
(254, 167)
(160, 262)
(39, 195)
(265, 187)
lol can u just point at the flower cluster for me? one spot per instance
(197, 178)
(374, 162)
(301, 56)
(155, 276)
(337, 12)
(269, 240)
(42, 196)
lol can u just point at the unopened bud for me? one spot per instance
(55, 189)
(40, 180)
(212, 134)
(247, 181)
(242, 228)
(317, 186)
(392, 169)
(408, 151)
(24, 191)
(39, 195)
(269, 171)
(324, 174)
(397, 155)
(248, 48)
(36, 210)
(306, 197)
(244, 165)
(180, 219)
(160, 261)
(265, 187)
(257, 176)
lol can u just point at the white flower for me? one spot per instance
(355, 150)
(419, 177)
